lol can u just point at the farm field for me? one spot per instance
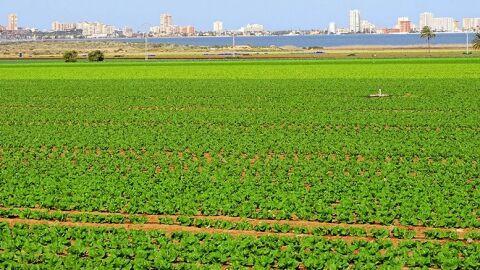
(240, 164)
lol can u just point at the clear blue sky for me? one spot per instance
(274, 14)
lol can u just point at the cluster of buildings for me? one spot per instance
(92, 30)
(13, 31)
(404, 25)
(359, 25)
(167, 28)
(439, 24)
(101, 30)
(356, 24)
(448, 24)
(88, 29)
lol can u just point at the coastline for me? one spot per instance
(115, 49)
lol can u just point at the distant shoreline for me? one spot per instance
(355, 41)
(116, 49)
(240, 46)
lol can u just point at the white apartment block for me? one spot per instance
(218, 27)
(446, 24)
(95, 29)
(471, 24)
(355, 21)
(426, 19)
(332, 28)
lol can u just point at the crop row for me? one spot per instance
(219, 158)
(244, 225)
(73, 217)
(60, 247)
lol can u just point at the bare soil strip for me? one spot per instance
(153, 220)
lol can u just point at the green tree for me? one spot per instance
(70, 56)
(96, 56)
(476, 42)
(427, 34)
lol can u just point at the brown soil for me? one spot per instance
(208, 157)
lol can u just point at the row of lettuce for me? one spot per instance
(244, 225)
(41, 246)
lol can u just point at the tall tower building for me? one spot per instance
(355, 21)
(404, 25)
(166, 24)
(332, 28)
(426, 19)
(218, 27)
(12, 22)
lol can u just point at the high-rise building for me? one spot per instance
(12, 22)
(404, 25)
(399, 20)
(166, 24)
(332, 28)
(426, 19)
(471, 24)
(218, 27)
(355, 21)
(446, 24)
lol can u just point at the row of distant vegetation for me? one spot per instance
(93, 56)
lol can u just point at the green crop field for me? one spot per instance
(241, 164)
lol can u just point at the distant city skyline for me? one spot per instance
(275, 15)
